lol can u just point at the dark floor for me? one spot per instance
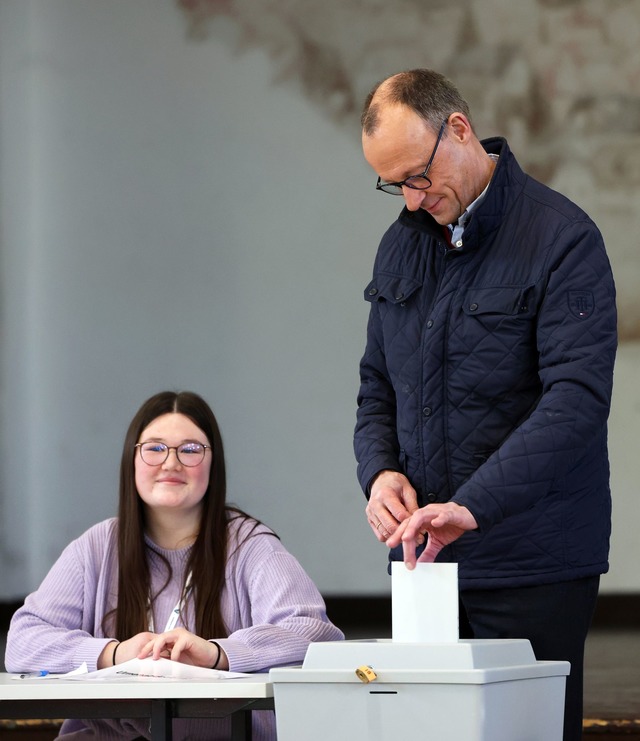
(612, 675)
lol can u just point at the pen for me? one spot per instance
(30, 675)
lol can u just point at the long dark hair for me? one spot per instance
(209, 553)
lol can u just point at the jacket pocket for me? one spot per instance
(395, 289)
(493, 346)
(497, 301)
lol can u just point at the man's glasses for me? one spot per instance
(417, 182)
(155, 454)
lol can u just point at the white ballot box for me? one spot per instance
(376, 690)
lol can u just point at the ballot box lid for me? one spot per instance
(469, 661)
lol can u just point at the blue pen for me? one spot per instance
(30, 675)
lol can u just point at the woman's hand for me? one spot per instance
(123, 651)
(181, 645)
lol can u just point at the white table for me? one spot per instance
(157, 699)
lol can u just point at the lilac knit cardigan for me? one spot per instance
(271, 608)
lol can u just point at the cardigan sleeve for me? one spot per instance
(53, 630)
(278, 609)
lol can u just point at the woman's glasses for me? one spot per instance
(155, 454)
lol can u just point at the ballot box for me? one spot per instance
(381, 690)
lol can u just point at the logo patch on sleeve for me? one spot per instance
(581, 303)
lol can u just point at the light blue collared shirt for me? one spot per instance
(457, 229)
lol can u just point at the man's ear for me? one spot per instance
(460, 127)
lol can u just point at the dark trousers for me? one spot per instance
(554, 617)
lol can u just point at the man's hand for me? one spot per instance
(392, 500)
(443, 523)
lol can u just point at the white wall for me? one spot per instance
(625, 472)
(172, 218)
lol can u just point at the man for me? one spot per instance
(486, 379)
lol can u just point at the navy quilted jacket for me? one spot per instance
(487, 379)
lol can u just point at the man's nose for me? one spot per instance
(413, 197)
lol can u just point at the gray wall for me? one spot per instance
(174, 217)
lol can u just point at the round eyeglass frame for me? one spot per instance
(395, 189)
(188, 463)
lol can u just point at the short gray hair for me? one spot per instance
(431, 95)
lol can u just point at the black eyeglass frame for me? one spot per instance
(169, 448)
(383, 184)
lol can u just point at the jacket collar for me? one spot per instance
(505, 186)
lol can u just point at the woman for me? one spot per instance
(178, 574)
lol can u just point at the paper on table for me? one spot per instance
(82, 669)
(148, 669)
(424, 603)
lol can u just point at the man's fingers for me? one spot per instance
(409, 554)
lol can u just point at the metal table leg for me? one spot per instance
(241, 729)
(161, 725)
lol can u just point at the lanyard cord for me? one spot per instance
(175, 614)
